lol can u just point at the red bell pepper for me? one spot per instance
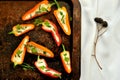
(39, 9)
(42, 66)
(49, 26)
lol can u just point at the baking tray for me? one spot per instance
(10, 15)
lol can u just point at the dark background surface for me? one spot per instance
(10, 15)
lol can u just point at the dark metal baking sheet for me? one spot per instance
(10, 15)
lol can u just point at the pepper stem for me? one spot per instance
(38, 57)
(51, 4)
(12, 32)
(63, 47)
(15, 64)
(57, 3)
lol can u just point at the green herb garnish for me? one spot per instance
(26, 66)
(47, 24)
(62, 19)
(44, 52)
(38, 22)
(41, 9)
(19, 28)
(65, 54)
(67, 59)
(42, 67)
(18, 53)
(33, 49)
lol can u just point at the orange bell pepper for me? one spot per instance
(61, 15)
(41, 8)
(37, 49)
(20, 29)
(65, 58)
(19, 53)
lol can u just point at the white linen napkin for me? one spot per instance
(108, 45)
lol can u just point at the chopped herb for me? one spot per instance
(44, 9)
(44, 52)
(47, 70)
(62, 19)
(57, 75)
(18, 53)
(61, 13)
(41, 9)
(38, 22)
(65, 54)
(42, 67)
(26, 66)
(33, 49)
(47, 24)
(19, 28)
(67, 59)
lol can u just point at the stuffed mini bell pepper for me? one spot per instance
(65, 58)
(39, 9)
(49, 26)
(19, 53)
(42, 66)
(61, 15)
(20, 29)
(37, 49)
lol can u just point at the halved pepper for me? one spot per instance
(20, 29)
(19, 53)
(49, 26)
(37, 49)
(61, 15)
(39, 9)
(65, 58)
(42, 66)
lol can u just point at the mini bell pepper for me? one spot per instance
(39, 9)
(20, 29)
(49, 26)
(65, 58)
(37, 49)
(42, 66)
(61, 15)
(19, 53)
